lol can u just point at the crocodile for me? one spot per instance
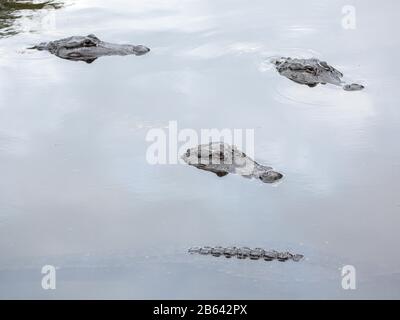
(88, 48)
(312, 72)
(245, 252)
(222, 159)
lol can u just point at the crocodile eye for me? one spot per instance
(88, 43)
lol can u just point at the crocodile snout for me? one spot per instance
(271, 176)
(140, 50)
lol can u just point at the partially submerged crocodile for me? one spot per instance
(222, 159)
(245, 252)
(88, 48)
(312, 72)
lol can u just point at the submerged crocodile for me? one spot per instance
(88, 48)
(222, 159)
(245, 252)
(312, 72)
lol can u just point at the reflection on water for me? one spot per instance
(13, 11)
(77, 192)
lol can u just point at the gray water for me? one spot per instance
(77, 192)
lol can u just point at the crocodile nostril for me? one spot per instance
(140, 50)
(278, 176)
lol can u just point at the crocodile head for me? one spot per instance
(222, 159)
(88, 48)
(310, 72)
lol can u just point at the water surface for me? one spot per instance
(77, 192)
